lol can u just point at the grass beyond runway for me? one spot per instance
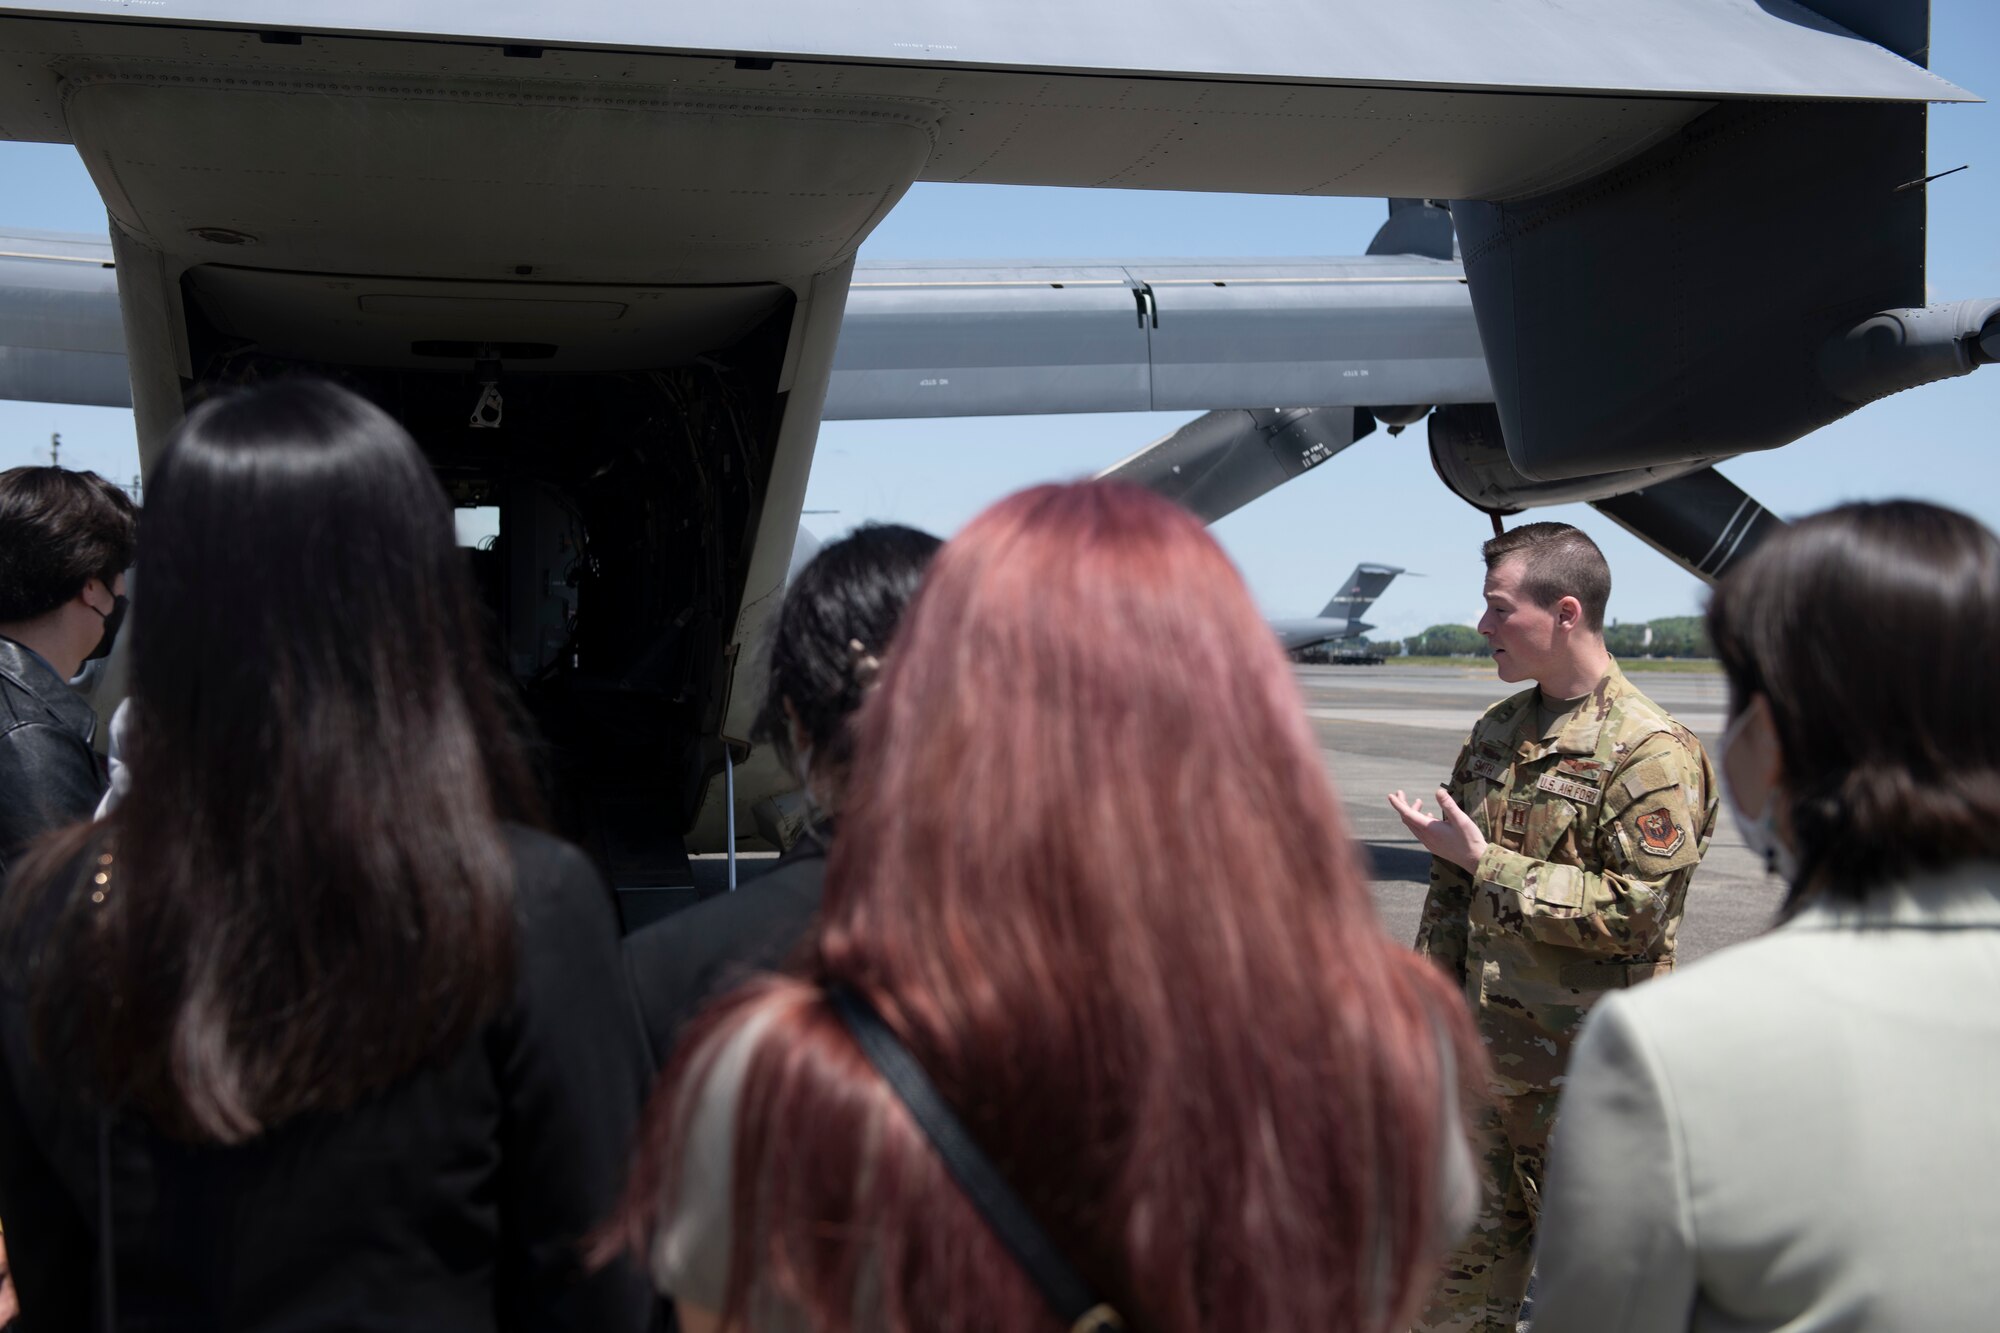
(1672, 665)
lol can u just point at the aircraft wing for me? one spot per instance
(61, 340)
(1665, 48)
(943, 341)
(1429, 98)
(922, 340)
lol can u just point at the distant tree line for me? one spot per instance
(1670, 636)
(1447, 641)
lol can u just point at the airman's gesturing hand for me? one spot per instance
(1452, 835)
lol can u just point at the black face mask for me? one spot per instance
(112, 620)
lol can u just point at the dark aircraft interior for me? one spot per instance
(624, 500)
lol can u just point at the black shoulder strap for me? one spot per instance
(1061, 1285)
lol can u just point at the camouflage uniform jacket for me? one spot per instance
(1592, 836)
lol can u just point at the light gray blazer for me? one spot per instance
(1800, 1133)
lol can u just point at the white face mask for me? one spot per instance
(1761, 833)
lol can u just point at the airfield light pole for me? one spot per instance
(55, 449)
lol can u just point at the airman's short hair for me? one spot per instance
(1560, 561)
(58, 530)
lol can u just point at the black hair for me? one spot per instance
(1872, 630)
(59, 530)
(1559, 561)
(307, 893)
(853, 592)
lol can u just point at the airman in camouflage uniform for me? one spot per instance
(1594, 824)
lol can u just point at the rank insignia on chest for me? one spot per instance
(1659, 834)
(1517, 816)
(1557, 783)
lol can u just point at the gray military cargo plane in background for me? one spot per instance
(596, 258)
(1340, 621)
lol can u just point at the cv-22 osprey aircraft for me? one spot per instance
(596, 258)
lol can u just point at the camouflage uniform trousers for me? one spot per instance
(1484, 1280)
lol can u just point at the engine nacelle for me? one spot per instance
(1470, 456)
(1901, 349)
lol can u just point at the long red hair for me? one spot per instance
(1092, 871)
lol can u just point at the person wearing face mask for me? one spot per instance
(65, 540)
(1561, 855)
(1798, 1132)
(832, 634)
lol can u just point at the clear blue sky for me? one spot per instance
(1380, 499)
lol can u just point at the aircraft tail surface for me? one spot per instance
(1359, 592)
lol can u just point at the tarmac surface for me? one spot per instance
(1387, 727)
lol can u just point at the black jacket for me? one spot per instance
(49, 775)
(683, 962)
(454, 1200)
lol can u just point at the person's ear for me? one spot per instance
(95, 590)
(1569, 613)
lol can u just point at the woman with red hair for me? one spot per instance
(1100, 1021)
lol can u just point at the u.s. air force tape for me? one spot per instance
(1575, 791)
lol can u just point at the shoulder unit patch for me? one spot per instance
(1659, 834)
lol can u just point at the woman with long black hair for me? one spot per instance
(305, 1034)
